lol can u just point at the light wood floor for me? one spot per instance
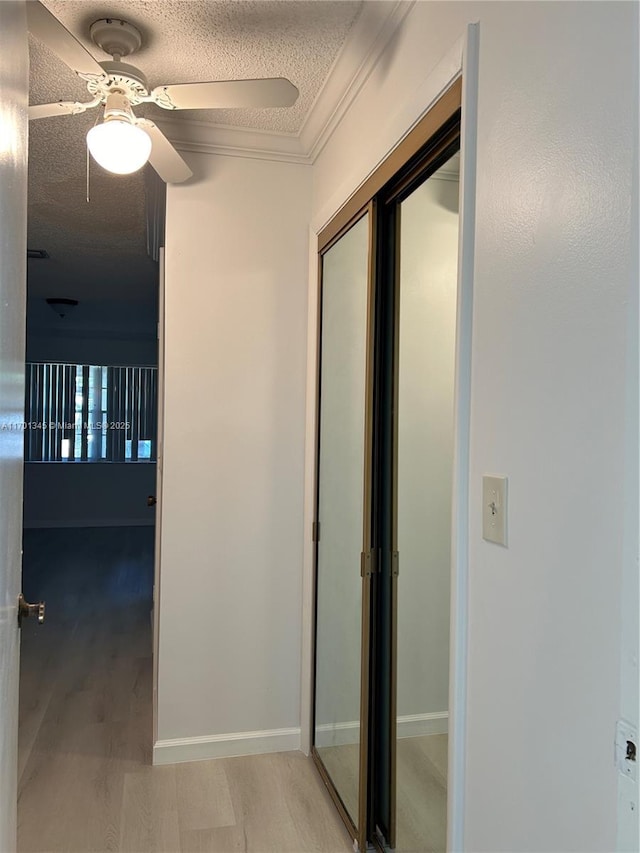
(422, 794)
(85, 780)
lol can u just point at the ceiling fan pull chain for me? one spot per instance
(87, 148)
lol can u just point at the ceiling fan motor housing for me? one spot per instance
(123, 78)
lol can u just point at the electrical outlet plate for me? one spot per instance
(494, 509)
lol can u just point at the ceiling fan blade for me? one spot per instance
(164, 157)
(48, 29)
(225, 94)
(60, 108)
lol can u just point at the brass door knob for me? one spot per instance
(152, 500)
(25, 609)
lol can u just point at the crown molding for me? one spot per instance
(372, 31)
(208, 138)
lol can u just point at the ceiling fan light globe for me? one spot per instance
(119, 146)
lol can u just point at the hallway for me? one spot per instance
(85, 780)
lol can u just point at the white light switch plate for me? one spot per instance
(494, 509)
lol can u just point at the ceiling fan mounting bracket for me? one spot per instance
(116, 37)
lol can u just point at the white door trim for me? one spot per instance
(462, 426)
(159, 466)
(14, 85)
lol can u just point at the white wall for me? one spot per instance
(235, 348)
(554, 400)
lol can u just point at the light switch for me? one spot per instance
(494, 509)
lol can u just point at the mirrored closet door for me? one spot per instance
(384, 477)
(342, 511)
(426, 293)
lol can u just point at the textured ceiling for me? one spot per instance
(198, 41)
(98, 250)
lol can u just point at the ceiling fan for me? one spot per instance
(123, 143)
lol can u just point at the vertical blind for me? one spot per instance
(90, 413)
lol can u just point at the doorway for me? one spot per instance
(383, 531)
(90, 488)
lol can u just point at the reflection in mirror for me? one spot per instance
(427, 327)
(340, 509)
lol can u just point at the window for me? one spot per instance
(90, 413)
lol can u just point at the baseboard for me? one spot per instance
(178, 750)
(90, 522)
(337, 734)
(411, 725)
(417, 725)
